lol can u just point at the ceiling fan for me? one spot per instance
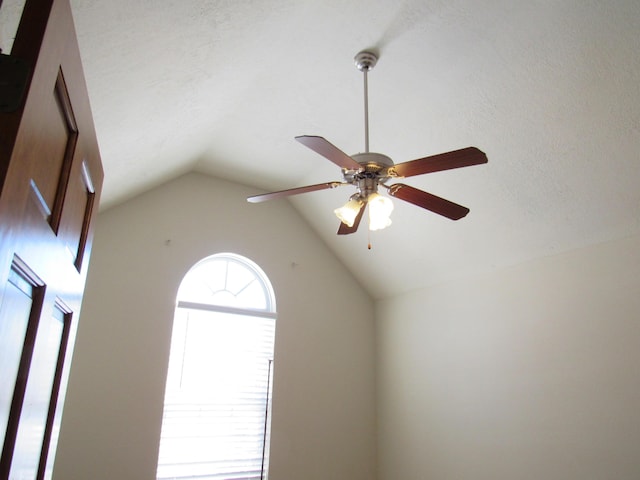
(367, 171)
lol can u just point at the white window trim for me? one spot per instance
(233, 310)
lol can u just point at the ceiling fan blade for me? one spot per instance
(293, 191)
(429, 201)
(345, 229)
(329, 151)
(436, 163)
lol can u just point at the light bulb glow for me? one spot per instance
(380, 209)
(349, 211)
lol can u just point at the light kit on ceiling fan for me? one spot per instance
(380, 209)
(349, 211)
(366, 171)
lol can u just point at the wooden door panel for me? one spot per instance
(56, 141)
(51, 143)
(29, 307)
(77, 213)
(50, 181)
(30, 436)
(52, 428)
(14, 318)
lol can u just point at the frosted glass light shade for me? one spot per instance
(380, 209)
(349, 211)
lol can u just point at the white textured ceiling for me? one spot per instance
(550, 90)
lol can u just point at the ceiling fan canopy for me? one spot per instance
(369, 170)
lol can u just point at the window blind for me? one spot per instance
(216, 400)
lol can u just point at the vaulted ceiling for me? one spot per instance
(548, 89)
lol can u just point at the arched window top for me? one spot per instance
(227, 280)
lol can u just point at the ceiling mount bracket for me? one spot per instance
(365, 61)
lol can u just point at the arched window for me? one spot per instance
(216, 410)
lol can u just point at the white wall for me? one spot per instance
(527, 373)
(323, 424)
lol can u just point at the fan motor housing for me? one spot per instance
(373, 161)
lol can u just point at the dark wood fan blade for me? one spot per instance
(345, 229)
(293, 191)
(329, 151)
(436, 163)
(427, 200)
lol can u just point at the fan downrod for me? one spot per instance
(365, 61)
